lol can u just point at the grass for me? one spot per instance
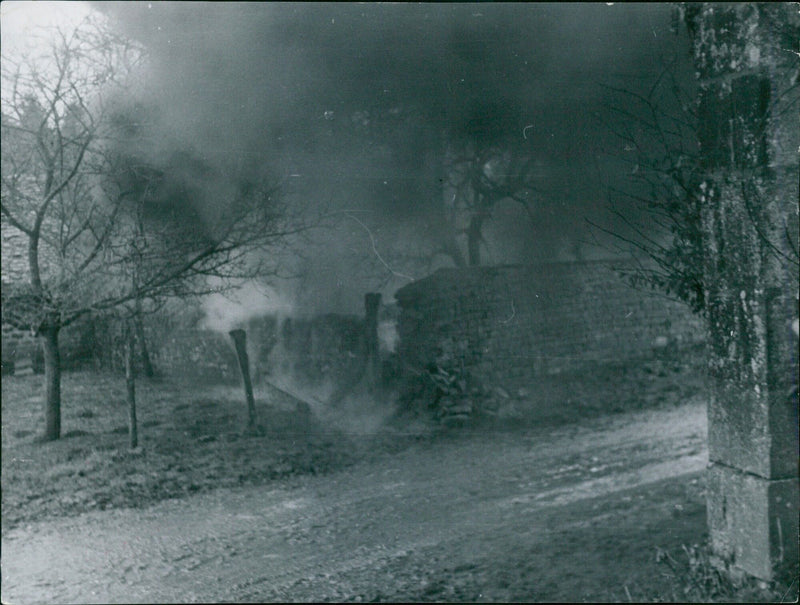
(698, 581)
(191, 436)
(191, 439)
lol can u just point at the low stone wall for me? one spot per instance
(324, 348)
(309, 351)
(201, 355)
(506, 325)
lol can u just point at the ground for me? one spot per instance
(594, 507)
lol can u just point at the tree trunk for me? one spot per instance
(444, 215)
(474, 240)
(130, 387)
(139, 323)
(52, 377)
(452, 250)
(239, 341)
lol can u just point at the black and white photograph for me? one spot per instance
(399, 302)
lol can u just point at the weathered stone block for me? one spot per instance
(732, 116)
(753, 522)
(754, 431)
(730, 38)
(738, 429)
(782, 375)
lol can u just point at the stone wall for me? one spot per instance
(199, 355)
(22, 351)
(746, 62)
(14, 258)
(16, 344)
(509, 324)
(312, 351)
(327, 349)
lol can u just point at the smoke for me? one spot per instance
(233, 309)
(349, 104)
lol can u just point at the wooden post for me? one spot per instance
(130, 386)
(52, 374)
(239, 338)
(147, 364)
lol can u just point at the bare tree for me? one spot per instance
(54, 127)
(464, 171)
(478, 177)
(103, 230)
(657, 131)
(669, 185)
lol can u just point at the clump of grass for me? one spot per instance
(702, 582)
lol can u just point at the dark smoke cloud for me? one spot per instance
(296, 88)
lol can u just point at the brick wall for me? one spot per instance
(509, 324)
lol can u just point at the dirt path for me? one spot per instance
(438, 521)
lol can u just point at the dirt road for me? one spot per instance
(546, 514)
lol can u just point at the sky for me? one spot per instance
(347, 106)
(19, 20)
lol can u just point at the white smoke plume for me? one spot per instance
(230, 310)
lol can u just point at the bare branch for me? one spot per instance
(13, 221)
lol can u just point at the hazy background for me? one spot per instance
(348, 107)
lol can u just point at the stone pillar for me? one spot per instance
(749, 142)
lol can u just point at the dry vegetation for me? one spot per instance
(192, 440)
